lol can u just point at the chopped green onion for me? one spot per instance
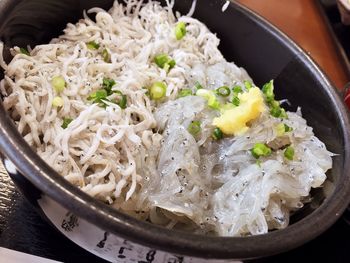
(57, 102)
(158, 90)
(274, 104)
(184, 93)
(260, 149)
(283, 113)
(164, 61)
(280, 129)
(98, 96)
(24, 51)
(172, 63)
(92, 45)
(237, 89)
(108, 84)
(248, 85)
(289, 153)
(223, 91)
(198, 86)
(267, 89)
(106, 56)
(169, 66)
(236, 101)
(122, 101)
(209, 95)
(161, 59)
(180, 30)
(194, 128)
(58, 83)
(166, 68)
(287, 128)
(276, 110)
(217, 134)
(66, 122)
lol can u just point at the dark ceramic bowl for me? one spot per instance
(253, 44)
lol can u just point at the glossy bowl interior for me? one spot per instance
(250, 42)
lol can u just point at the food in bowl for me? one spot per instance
(140, 109)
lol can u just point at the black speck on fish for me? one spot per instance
(279, 219)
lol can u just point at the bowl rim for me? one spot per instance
(56, 187)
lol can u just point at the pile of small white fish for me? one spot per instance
(137, 153)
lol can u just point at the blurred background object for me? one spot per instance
(344, 8)
(310, 23)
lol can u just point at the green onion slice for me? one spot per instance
(107, 85)
(172, 63)
(267, 89)
(236, 101)
(223, 91)
(287, 128)
(184, 93)
(194, 128)
(283, 114)
(280, 129)
(24, 51)
(209, 95)
(66, 122)
(289, 153)
(161, 59)
(57, 102)
(158, 90)
(106, 56)
(164, 61)
(277, 111)
(58, 83)
(180, 30)
(122, 102)
(217, 134)
(260, 150)
(92, 45)
(275, 108)
(98, 96)
(237, 89)
(248, 85)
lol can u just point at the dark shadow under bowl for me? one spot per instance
(250, 42)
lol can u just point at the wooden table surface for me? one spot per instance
(302, 21)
